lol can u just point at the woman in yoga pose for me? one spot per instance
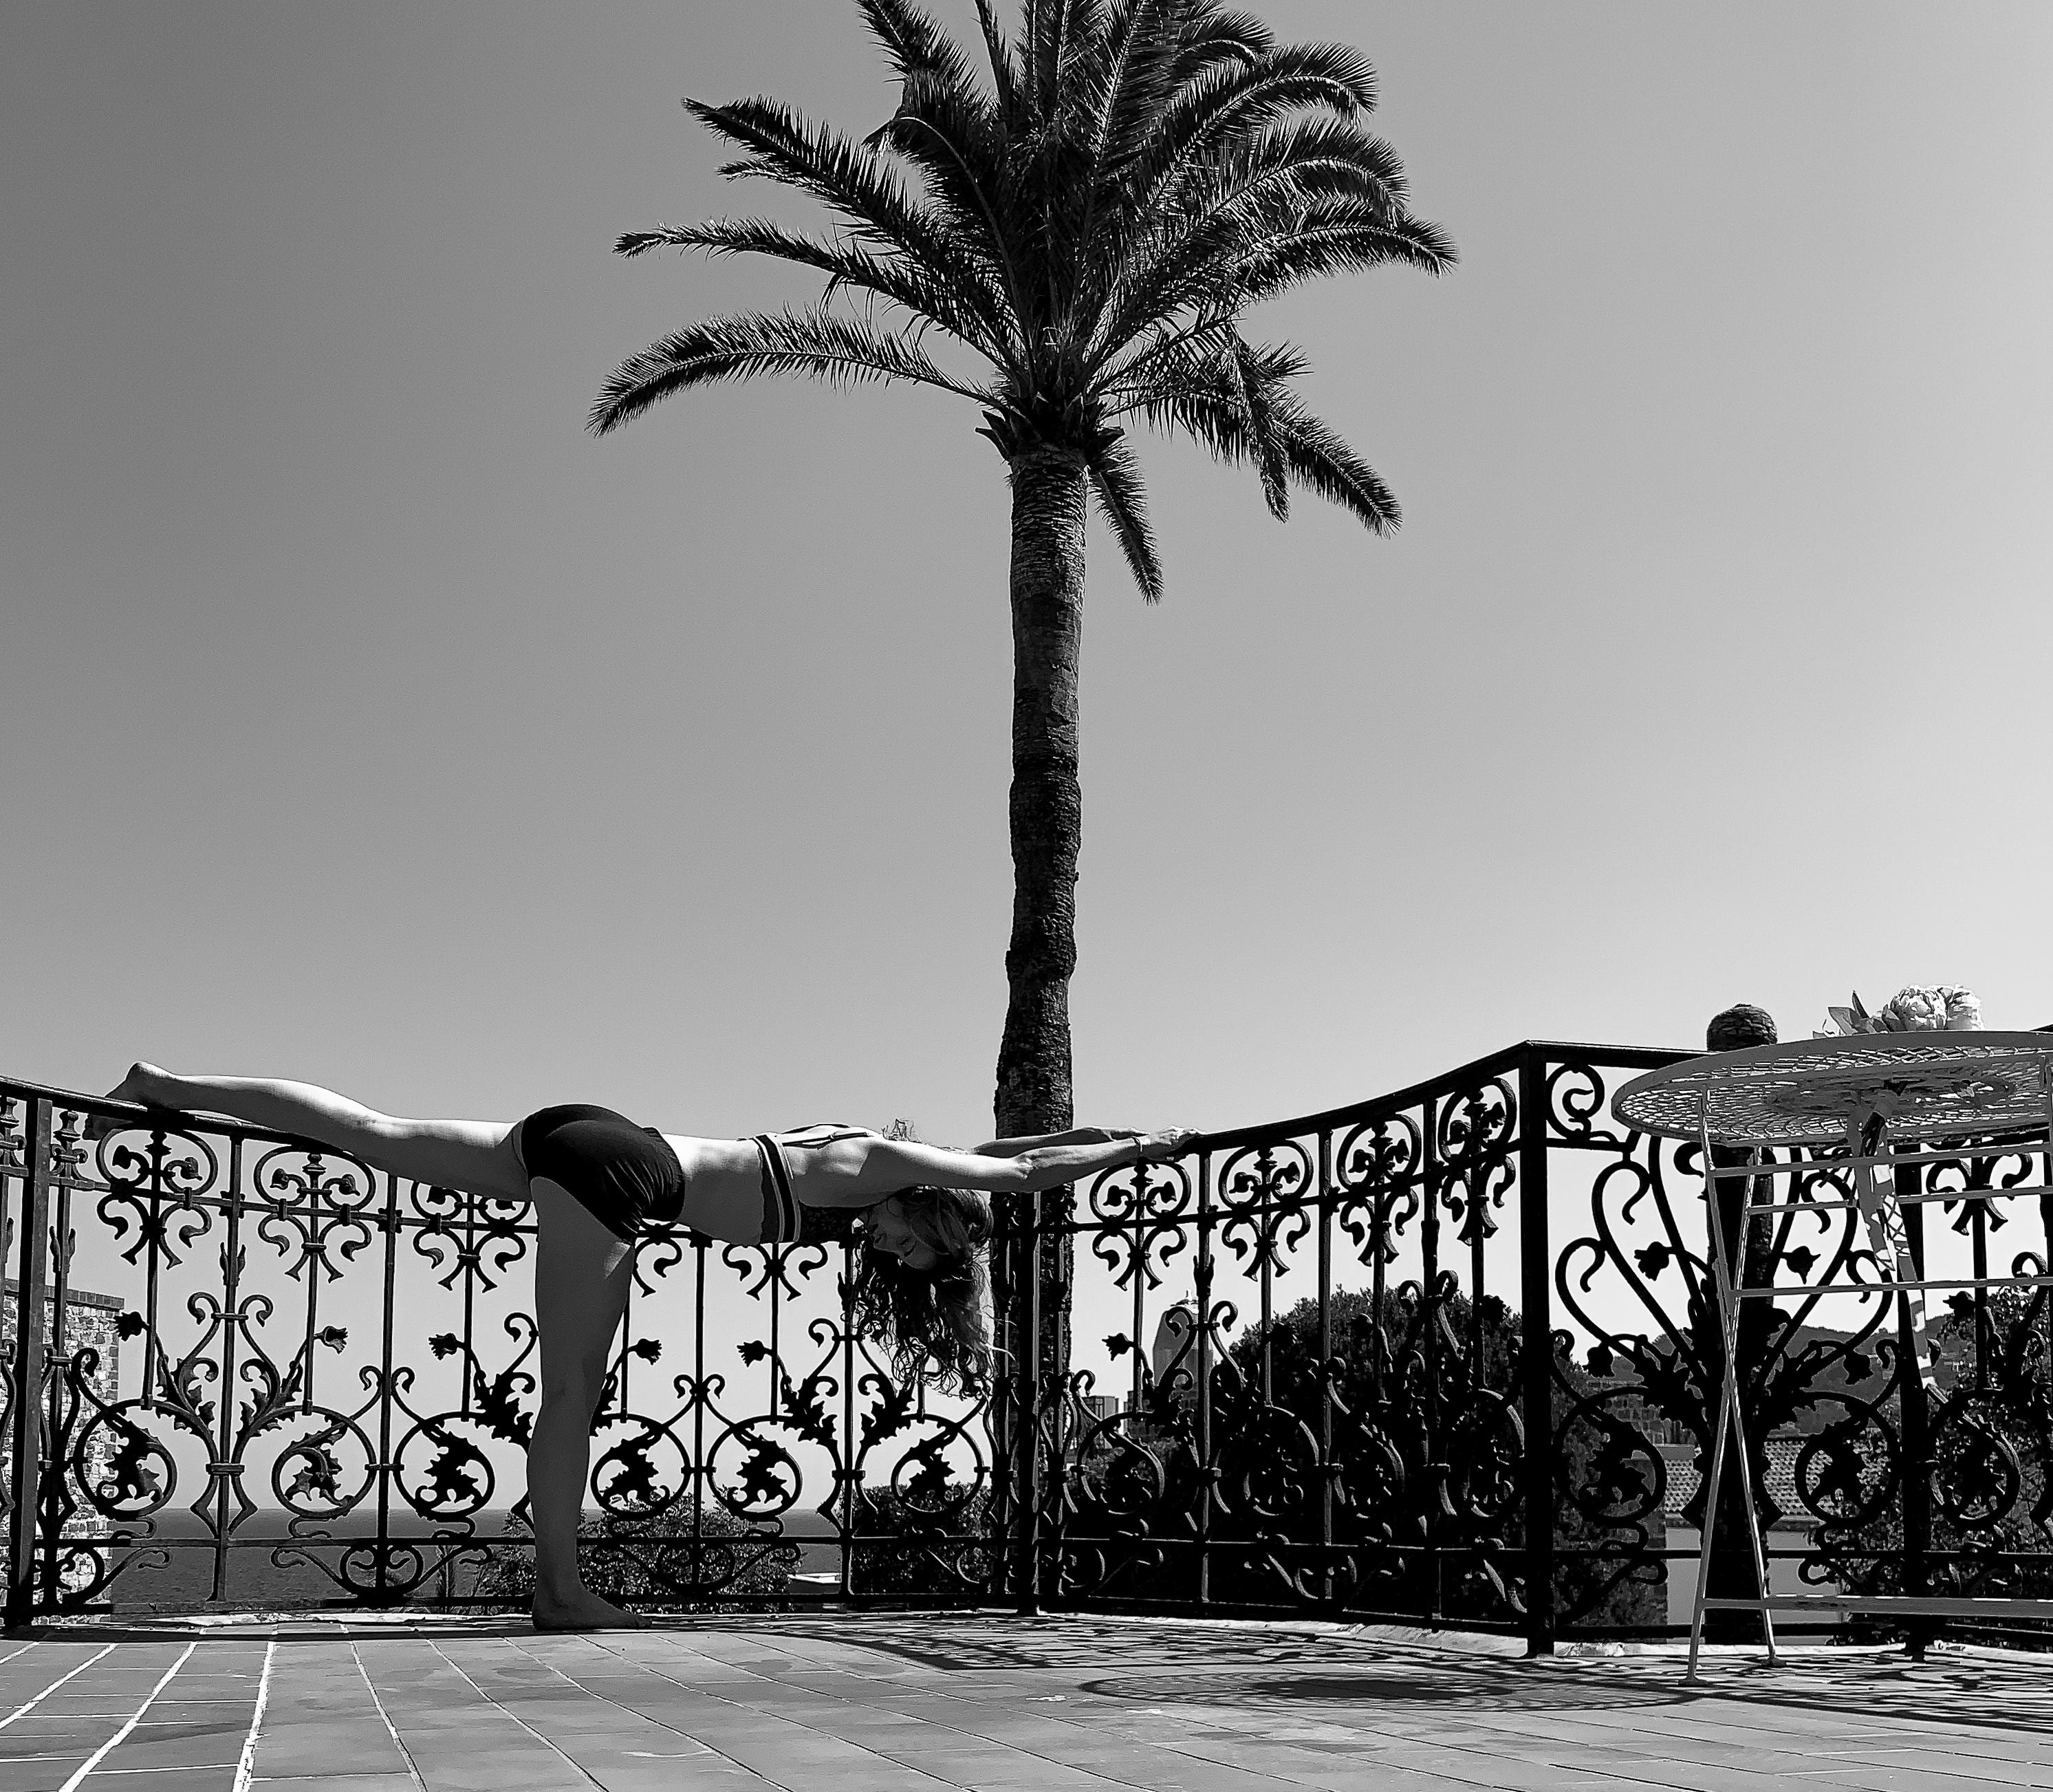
(597, 1181)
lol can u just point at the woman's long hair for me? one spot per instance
(935, 1322)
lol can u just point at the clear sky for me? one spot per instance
(362, 719)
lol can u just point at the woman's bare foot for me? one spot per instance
(583, 1610)
(145, 1085)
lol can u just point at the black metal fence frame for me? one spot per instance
(1413, 1476)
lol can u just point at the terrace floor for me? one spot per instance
(851, 1703)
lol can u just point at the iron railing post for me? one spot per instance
(1001, 1409)
(1208, 1469)
(388, 1221)
(1026, 1438)
(29, 1368)
(1436, 1501)
(1058, 1208)
(1536, 1338)
(1918, 1463)
(1330, 1584)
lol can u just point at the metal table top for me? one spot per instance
(1807, 1091)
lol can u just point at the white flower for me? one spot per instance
(1963, 1011)
(1915, 1009)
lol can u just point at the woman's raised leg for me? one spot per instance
(582, 1275)
(472, 1155)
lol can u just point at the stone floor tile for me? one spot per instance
(1875, 1779)
(211, 1776)
(288, 1748)
(145, 1747)
(55, 1739)
(989, 1767)
(45, 1774)
(336, 1782)
(1699, 1776)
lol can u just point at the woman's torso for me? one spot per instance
(723, 1177)
(723, 1186)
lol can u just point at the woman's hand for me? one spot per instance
(1170, 1141)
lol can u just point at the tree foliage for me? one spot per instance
(1090, 216)
(1425, 1425)
(670, 1557)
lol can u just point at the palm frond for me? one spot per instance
(1321, 156)
(957, 143)
(1256, 395)
(916, 44)
(1268, 184)
(945, 128)
(858, 186)
(1203, 397)
(944, 124)
(1169, 350)
(1340, 245)
(909, 284)
(1004, 71)
(1241, 255)
(1044, 28)
(842, 350)
(1213, 36)
(1320, 460)
(1240, 388)
(1139, 76)
(1115, 477)
(1089, 35)
(1232, 97)
(1229, 137)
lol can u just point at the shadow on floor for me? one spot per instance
(1199, 1665)
(1262, 1667)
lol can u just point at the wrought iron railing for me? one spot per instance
(1447, 1358)
(327, 1376)
(1450, 1357)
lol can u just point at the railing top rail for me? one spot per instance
(1496, 1063)
(130, 1114)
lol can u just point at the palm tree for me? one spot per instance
(1093, 224)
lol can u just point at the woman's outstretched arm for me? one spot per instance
(863, 1171)
(1080, 1135)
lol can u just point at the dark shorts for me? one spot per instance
(625, 1176)
(628, 1178)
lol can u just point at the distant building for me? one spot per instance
(1788, 1536)
(90, 1320)
(1097, 1409)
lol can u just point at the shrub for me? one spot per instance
(938, 1554)
(732, 1559)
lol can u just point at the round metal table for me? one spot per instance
(1809, 1092)
(1852, 1093)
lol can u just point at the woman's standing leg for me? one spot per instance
(582, 1276)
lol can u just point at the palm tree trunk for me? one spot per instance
(1033, 1091)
